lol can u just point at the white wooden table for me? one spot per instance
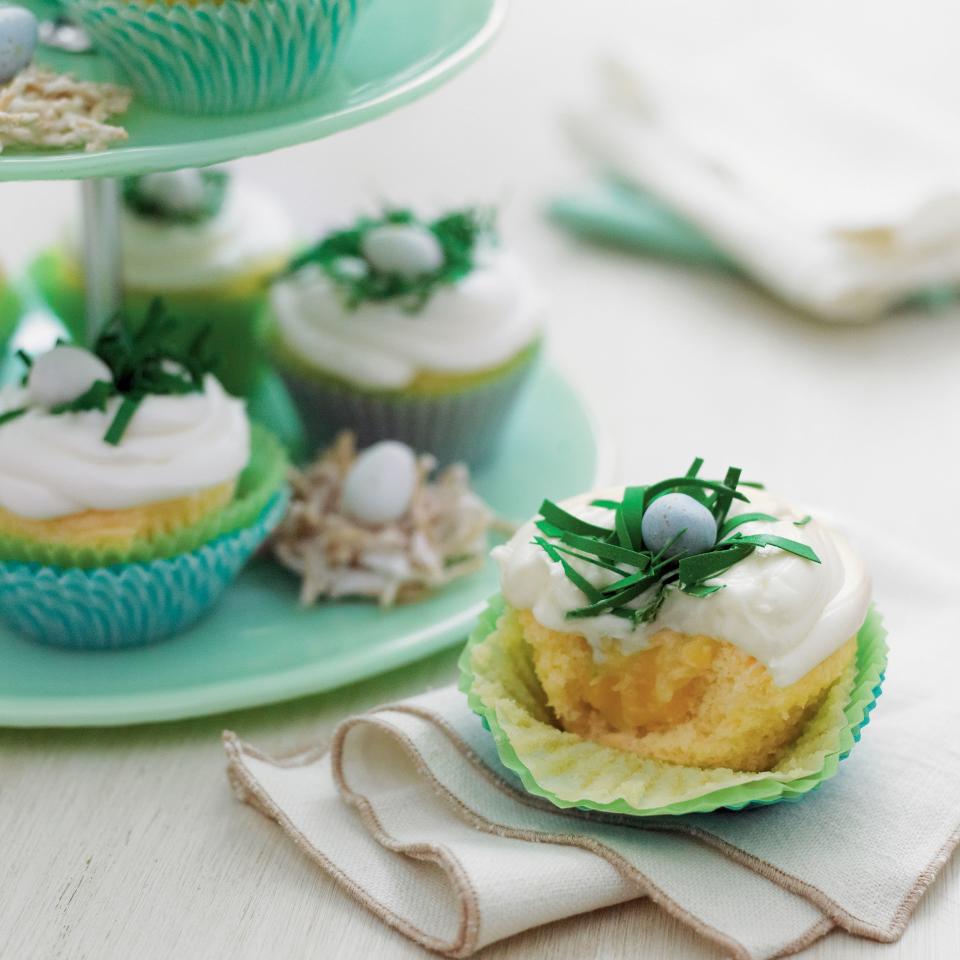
(128, 843)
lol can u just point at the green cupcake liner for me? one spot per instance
(236, 324)
(257, 485)
(220, 58)
(502, 688)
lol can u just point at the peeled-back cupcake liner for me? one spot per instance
(497, 675)
(132, 604)
(464, 424)
(234, 319)
(220, 58)
(256, 487)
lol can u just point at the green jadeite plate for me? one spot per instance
(260, 647)
(399, 51)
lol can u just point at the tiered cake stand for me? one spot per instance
(259, 646)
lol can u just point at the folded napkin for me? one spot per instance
(411, 811)
(817, 150)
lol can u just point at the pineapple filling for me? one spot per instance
(653, 688)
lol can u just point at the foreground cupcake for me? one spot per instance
(132, 490)
(227, 57)
(204, 243)
(695, 637)
(404, 329)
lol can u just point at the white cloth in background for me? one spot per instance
(411, 813)
(820, 148)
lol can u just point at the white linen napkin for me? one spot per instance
(819, 149)
(412, 813)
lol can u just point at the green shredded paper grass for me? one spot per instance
(653, 574)
(458, 235)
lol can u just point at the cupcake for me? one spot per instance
(704, 633)
(404, 329)
(204, 243)
(225, 57)
(132, 490)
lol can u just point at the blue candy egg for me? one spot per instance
(18, 40)
(670, 514)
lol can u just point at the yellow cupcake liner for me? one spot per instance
(263, 477)
(502, 688)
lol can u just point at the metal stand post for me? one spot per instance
(100, 200)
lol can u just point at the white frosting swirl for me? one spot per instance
(250, 230)
(477, 323)
(787, 612)
(175, 446)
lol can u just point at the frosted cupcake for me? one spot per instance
(711, 632)
(132, 490)
(399, 328)
(204, 243)
(227, 57)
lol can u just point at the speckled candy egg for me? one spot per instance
(63, 374)
(18, 40)
(404, 248)
(380, 484)
(670, 514)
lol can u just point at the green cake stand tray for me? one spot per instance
(398, 52)
(259, 646)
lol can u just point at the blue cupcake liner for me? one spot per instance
(463, 425)
(220, 58)
(130, 604)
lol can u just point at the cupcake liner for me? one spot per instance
(497, 675)
(257, 485)
(234, 319)
(464, 424)
(130, 604)
(220, 58)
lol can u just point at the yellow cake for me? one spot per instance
(692, 700)
(118, 529)
(697, 624)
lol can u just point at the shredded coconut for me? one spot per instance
(41, 108)
(442, 536)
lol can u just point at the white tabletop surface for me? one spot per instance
(128, 843)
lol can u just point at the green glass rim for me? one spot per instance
(870, 668)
